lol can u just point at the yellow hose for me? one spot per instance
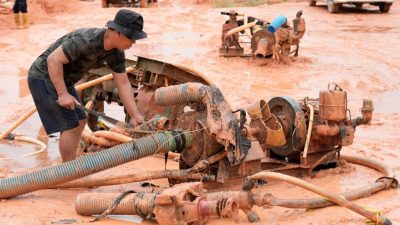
(338, 199)
(112, 136)
(89, 137)
(310, 124)
(238, 29)
(42, 146)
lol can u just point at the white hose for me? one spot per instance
(42, 146)
(310, 125)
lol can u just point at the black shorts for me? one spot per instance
(54, 117)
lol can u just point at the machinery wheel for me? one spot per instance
(384, 7)
(292, 118)
(333, 7)
(312, 3)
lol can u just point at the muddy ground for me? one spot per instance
(358, 49)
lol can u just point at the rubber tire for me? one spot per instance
(312, 3)
(333, 7)
(384, 7)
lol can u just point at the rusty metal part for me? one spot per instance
(192, 173)
(264, 48)
(199, 112)
(366, 110)
(177, 73)
(221, 122)
(259, 110)
(299, 28)
(333, 104)
(186, 203)
(275, 134)
(326, 129)
(232, 40)
(182, 204)
(243, 199)
(292, 119)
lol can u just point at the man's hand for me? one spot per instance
(67, 101)
(137, 119)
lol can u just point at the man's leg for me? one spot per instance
(69, 141)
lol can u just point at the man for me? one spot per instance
(20, 7)
(53, 74)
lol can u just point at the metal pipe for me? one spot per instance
(366, 110)
(89, 164)
(261, 50)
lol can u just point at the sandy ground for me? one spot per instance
(358, 49)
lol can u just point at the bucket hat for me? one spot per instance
(128, 23)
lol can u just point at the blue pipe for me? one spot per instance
(276, 23)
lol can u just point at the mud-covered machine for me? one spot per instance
(277, 134)
(216, 144)
(275, 39)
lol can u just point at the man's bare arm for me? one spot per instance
(126, 94)
(55, 63)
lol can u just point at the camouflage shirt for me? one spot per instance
(84, 49)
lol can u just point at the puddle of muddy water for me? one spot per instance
(15, 101)
(388, 103)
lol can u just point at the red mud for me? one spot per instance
(358, 49)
